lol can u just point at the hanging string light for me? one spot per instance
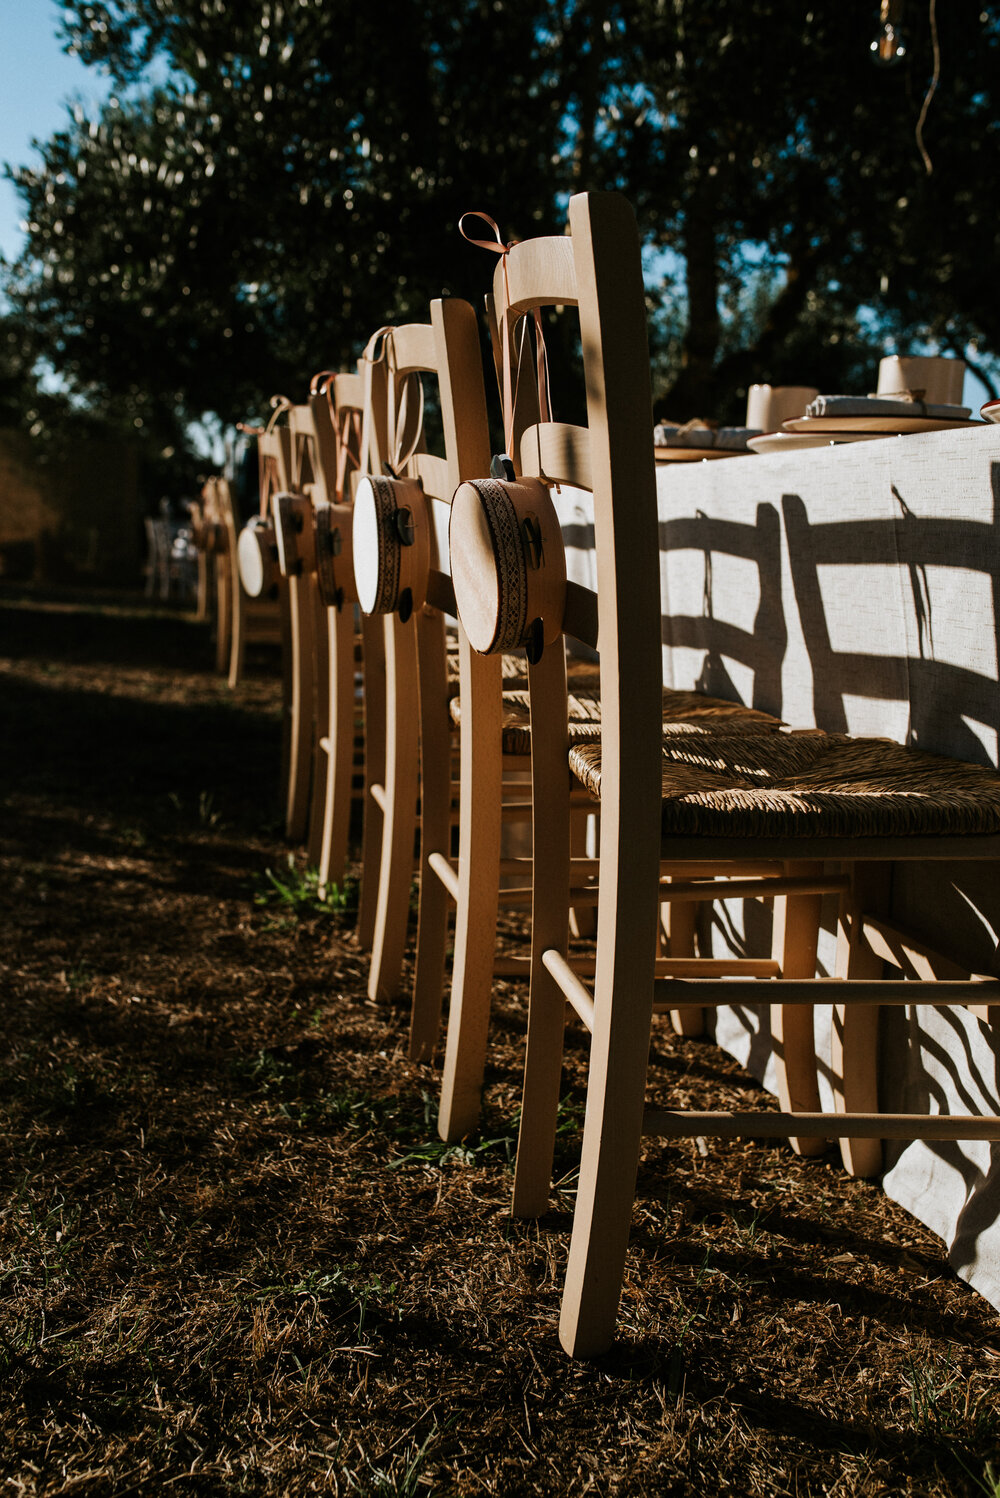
(889, 46)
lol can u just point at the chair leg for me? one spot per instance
(373, 819)
(551, 841)
(795, 939)
(400, 820)
(201, 588)
(223, 617)
(285, 625)
(321, 723)
(478, 890)
(435, 836)
(300, 749)
(682, 916)
(613, 1129)
(339, 768)
(854, 1047)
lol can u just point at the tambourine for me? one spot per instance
(293, 533)
(392, 545)
(335, 554)
(508, 565)
(257, 557)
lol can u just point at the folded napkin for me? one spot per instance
(692, 434)
(881, 405)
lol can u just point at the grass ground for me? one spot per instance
(235, 1260)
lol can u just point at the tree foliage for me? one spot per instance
(272, 181)
(768, 131)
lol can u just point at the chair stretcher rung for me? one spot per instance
(683, 991)
(447, 874)
(511, 967)
(573, 990)
(567, 976)
(820, 1125)
(748, 889)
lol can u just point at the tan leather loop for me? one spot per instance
(518, 334)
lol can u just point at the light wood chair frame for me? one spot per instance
(597, 268)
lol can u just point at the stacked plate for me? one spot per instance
(834, 419)
(697, 440)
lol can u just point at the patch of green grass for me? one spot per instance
(208, 815)
(299, 892)
(399, 1473)
(945, 1404)
(342, 1290)
(437, 1152)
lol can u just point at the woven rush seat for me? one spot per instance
(584, 706)
(810, 785)
(581, 675)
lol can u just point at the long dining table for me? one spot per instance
(856, 588)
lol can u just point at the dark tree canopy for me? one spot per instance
(275, 179)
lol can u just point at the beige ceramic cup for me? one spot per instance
(769, 405)
(940, 378)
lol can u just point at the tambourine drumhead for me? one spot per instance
(474, 571)
(385, 566)
(365, 537)
(508, 564)
(255, 555)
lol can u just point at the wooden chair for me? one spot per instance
(338, 408)
(702, 801)
(400, 581)
(241, 619)
(257, 587)
(496, 722)
(294, 530)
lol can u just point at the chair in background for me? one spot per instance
(696, 802)
(295, 537)
(399, 579)
(352, 650)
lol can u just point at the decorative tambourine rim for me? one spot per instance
(335, 573)
(504, 530)
(518, 516)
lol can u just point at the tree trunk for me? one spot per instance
(691, 395)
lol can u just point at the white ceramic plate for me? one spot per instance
(784, 442)
(889, 425)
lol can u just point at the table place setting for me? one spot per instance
(767, 407)
(699, 439)
(913, 395)
(920, 394)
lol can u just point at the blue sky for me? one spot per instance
(36, 79)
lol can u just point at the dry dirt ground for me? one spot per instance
(233, 1257)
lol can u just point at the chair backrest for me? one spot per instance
(274, 460)
(447, 348)
(597, 269)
